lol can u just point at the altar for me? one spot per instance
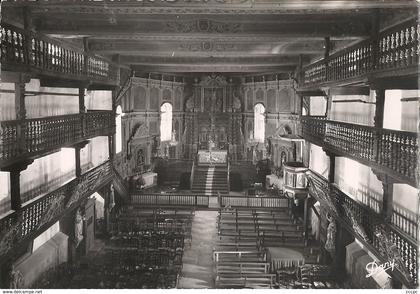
(216, 156)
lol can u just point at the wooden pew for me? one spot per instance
(238, 246)
(253, 281)
(235, 268)
(239, 256)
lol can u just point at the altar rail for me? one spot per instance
(23, 50)
(395, 49)
(170, 200)
(40, 213)
(369, 219)
(262, 202)
(391, 150)
(31, 137)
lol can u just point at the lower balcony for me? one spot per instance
(385, 240)
(31, 138)
(21, 226)
(392, 151)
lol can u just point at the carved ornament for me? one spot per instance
(213, 81)
(206, 46)
(202, 26)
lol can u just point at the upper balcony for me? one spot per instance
(395, 53)
(394, 152)
(31, 138)
(43, 57)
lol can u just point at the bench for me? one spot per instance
(227, 268)
(245, 256)
(254, 281)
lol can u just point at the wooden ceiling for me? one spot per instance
(180, 36)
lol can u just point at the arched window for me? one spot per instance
(165, 122)
(259, 123)
(118, 131)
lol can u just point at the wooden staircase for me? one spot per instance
(210, 179)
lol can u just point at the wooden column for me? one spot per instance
(378, 119)
(15, 170)
(388, 195)
(20, 111)
(78, 165)
(82, 110)
(379, 109)
(388, 199)
(111, 147)
(77, 149)
(305, 219)
(331, 173)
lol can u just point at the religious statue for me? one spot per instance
(213, 101)
(189, 105)
(16, 279)
(331, 231)
(111, 197)
(78, 228)
(140, 158)
(219, 104)
(236, 103)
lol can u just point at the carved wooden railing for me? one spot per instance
(121, 185)
(28, 137)
(23, 50)
(367, 220)
(392, 150)
(252, 201)
(39, 214)
(170, 200)
(397, 48)
(405, 220)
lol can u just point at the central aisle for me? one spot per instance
(197, 271)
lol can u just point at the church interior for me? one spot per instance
(209, 144)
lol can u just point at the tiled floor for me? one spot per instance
(197, 271)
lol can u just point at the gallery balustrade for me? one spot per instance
(396, 49)
(32, 137)
(27, 51)
(391, 150)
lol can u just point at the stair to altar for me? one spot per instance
(210, 179)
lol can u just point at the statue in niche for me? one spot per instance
(111, 197)
(236, 102)
(140, 158)
(173, 137)
(219, 104)
(213, 101)
(78, 227)
(189, 105)
(155, 146)
(331, 231)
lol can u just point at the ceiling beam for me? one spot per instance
(183, 68)
(203, 28)
(209, 6)
(264, 60)
(198, 48)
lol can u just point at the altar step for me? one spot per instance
(210, 180)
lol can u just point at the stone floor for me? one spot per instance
(197, 271)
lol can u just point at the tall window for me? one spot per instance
(259, 123)
(118, 131)
(165, 122)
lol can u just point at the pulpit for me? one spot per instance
(295, 182)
